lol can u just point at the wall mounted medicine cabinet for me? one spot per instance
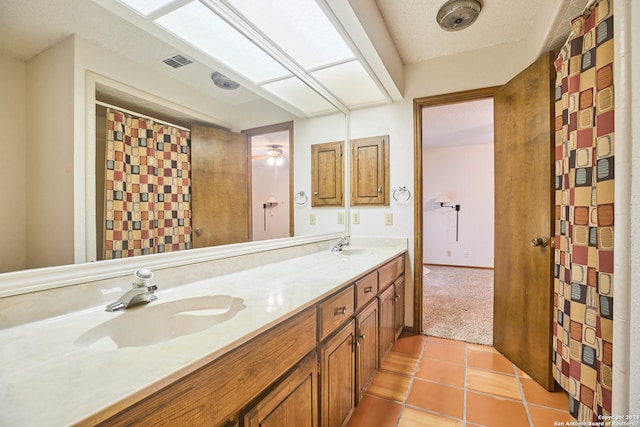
(370, 171)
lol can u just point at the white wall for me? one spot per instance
(270, 181)
(465, 174)
(13, 86)
(50, 154)
(318, 130)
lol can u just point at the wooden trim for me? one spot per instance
(418, 105)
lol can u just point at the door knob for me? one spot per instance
(539, 241)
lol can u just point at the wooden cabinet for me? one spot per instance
(398, 306)
(292, 402)
(367, 361)
(366, 289)
(387, 329)
(337, 377)
(327, 174)
(335, 311)
(370, 171)
(218, 391)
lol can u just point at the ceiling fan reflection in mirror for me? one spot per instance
(274, 155)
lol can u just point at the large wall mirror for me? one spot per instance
(64, 63)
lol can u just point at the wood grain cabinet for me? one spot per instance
(367, 362)
(337, 377)
(310, 370)
(370, 171)
(327, 174)
(292, 402)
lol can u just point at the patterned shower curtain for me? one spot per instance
(148, 187)
(584, 213)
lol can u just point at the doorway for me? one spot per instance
(458, 217)
(271, 151)
(428, 201)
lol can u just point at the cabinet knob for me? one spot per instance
(340, 311)
(379, 189)
(396, 297)
(198, 231)
(368, 289)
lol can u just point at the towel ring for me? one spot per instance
(402, 194)
(301, 198)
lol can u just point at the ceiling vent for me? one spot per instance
(456, 15)
(224, 82)
(177, 61)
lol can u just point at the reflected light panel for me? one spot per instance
(198, 26)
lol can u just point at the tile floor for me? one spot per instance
(429, 381)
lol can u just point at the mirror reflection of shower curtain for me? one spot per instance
(147, 187)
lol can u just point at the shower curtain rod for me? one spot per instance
(587, 9)
(142, 116)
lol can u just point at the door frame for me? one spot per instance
(418, 104)
(262, 130)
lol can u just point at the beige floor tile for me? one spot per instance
(438, 340)
(441, 372)
(400, 363)
(542, 417)
(493, 383)
(410, 345)
(535, 394)
(373, 411)
(493, 411)
(490, 361)
(445, 353)
(438, 398)
(416, 418)
(390, 386)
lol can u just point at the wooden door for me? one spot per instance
(293, 401)
(219, 187)
(387, 327)
(366, 347)
(327, 174)
(337, 377)
(524, 210)
(370, 171)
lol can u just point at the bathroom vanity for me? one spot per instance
(297, 339)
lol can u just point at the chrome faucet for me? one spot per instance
(341, 244)
(141, 293)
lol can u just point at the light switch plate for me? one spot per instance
(356, 218)
(388, 219)
(340, 217)
(312, 219)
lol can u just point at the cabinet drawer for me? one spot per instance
(366, 289)
(335, 311)
(390, 271)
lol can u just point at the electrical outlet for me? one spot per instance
(356, 218)
(388, 219)
(448, 253)
(466, 254)
(340, 217)
(312, 219)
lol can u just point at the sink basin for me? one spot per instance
(361, 251)
(158, 322)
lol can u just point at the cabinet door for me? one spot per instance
(327, 174)
(370, 171)
(366, 347)
(337, 377)
(387, 321)
(398, 309)
(293, 402)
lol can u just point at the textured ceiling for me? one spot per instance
(417, 36)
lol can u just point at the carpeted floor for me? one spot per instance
(458, 304)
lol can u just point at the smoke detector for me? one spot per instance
(456, 15)
(224, 82)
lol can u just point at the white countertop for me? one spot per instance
(48, 380)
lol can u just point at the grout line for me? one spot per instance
(464, 396)
(524, 401)
(413, 378)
